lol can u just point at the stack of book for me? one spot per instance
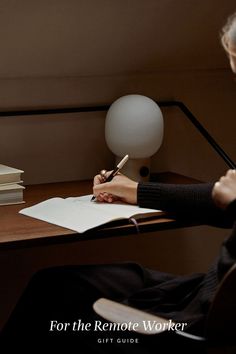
(11, 190)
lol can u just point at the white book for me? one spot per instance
(11, 193)
(10, 174)
(80, 214)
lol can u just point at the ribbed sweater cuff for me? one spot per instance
(148, 194)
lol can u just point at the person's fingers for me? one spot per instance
(105, 197)
(100, 197)
(101, 178)
(216, 185)
(98, 179)
(231, 173)
(222, 179)
(106, 187)
(103, 173)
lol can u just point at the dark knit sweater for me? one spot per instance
(195, 202)
(192, 201)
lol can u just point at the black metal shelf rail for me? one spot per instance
(179, 104)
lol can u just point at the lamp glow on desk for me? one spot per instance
(134, 126)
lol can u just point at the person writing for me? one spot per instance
(66, 294)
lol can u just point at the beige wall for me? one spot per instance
(58, 147)
(62, 53)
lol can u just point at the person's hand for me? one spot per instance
(224, 191)
(120, 188)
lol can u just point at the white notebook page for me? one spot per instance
(80, 214)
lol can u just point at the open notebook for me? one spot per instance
(80, 214)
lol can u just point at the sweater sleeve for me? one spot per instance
(191, 201)
(228, 250)
(231, 210)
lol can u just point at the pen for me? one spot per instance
(115, 171)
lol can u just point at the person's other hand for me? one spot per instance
(224, 191)
(120, 188)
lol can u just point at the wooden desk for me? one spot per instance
(17, 230)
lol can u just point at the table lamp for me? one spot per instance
(134, 126)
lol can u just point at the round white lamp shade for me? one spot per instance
(134, 126)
